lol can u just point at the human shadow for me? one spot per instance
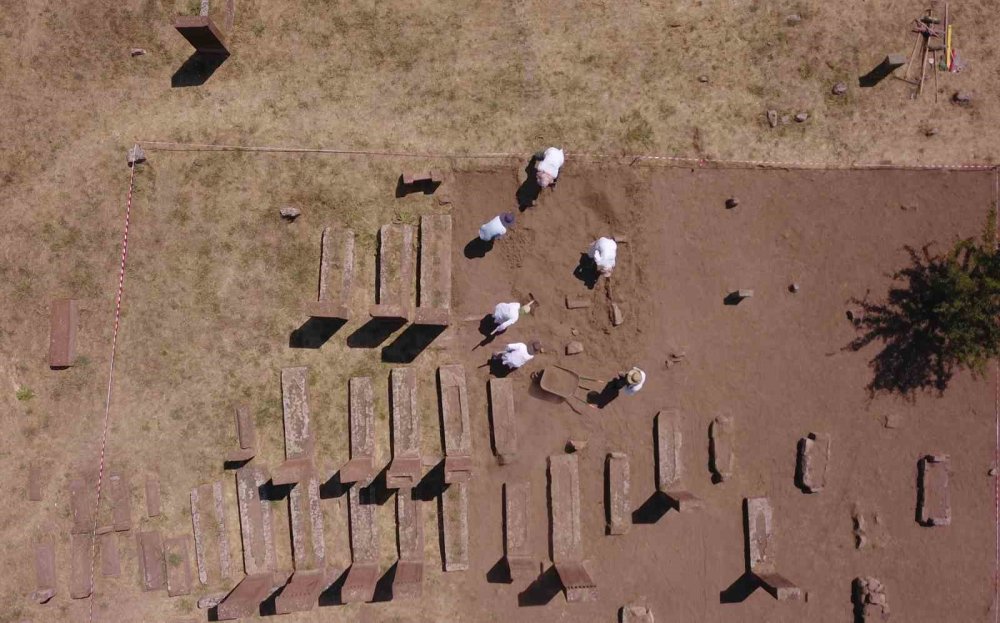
(497, 367)
(373, 333)
(477, 247)
(197, 69)
(411, 342)
(586, 271)
(315, 332)
(486, 327)
(604, 397)
(917, 352)
(527, 193)
(541, 591)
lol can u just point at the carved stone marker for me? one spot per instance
(302, 591)
(81, 583)
(933, 494)
(299, 436)
(504, 420)
(121, 500)
(45, 570)
(434, 307)
(255, 521)
(110, 561)
(336, 275)
(455, 524)
(246, 436)
(83, 500)
(359, 585)
(202, 33)
(178, 566)
(812, 463)
(395, 276)
(517, 549)
(636, 614)
(404, 471)
(619, 509)
(668, 461)
(245, 599)
(409, 578)
(758, 543)
(63, 322)
(208, 518)
(455, 424)
(308, 545)
(361, 406)
(151, 560)
(722, 439)
(567, 540)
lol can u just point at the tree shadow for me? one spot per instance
(411, 342)
(912, 324)
(477, 247)
(586, 271)
(197, 69)
(315, 332)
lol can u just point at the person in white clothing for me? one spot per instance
(633, 380)
(496, 227)
(504, 315)
(547, 168)
(604, 251)
(516, 355)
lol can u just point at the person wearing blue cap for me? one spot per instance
(496, 227)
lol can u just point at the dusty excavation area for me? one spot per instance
(777, 364)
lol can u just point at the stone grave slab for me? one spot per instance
(404, 471)
(455, 520)
(255, 521)
(245, 599)
(308, 545)
(619, 510)
(933, 490)
(517, 548)
(455, 423)
(178, 566)
(110, 560)
(63, 322)
(503, 418)
(395, 274)
(336, 275)
(45, 570)
(434, 307)
(121, 500)
(722, 437)
(81, 583)
(150, 555)
(361, 408)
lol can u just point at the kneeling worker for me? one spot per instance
(604, 252)
(547, 169)
(632, 381)
(496, 227)
(517, 354)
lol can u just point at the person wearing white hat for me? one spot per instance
(633, 380)
(496, 227)
(604, 252)
(504, 315)
(547, 168)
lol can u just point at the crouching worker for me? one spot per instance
(632, 381)
(515, 355)
(604, 252)
(497, 227)
(547, 167)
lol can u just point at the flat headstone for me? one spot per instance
(409, 580)
(35, 477)
(121, 500)
(636, 614)
(363, 526)
(63, 322)
(245, 599)
(759, 532)
(308, 544)
(455, 423)
(83, 500)
(150, 556)
(813, 462)
(395, 277)
(722, 435)
(336, 275)
(404, 471)
(410, 545)
(81, 583)
(361, 407)
(152, 496)
(175, 552)
(504, 420)
(110, 560)
(668, 449)
(208, 520)
(779, 587)
(933, 490)
(517, 549)
(434, 306)
(576, 581)
(299, 437)
(255, 521)
(359, 585)
(246, 436)
(45, 570)
(455, 526)
(576, 303)
(619, 509)
(302, 591)
(564, 500)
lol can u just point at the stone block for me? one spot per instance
(502, 416)
(361, 407)
(151, 560)
(417, 177)
(668, 448)
(517, 548)
(246, 436)
(757, 517)
(812, 462)
(395, 276)
(45, 570)
(293, 471)
(245, 599)
(455, 526)
(434, 306)
(619, 511)
(576, 303)
(635, 614)
(933, 490)
(336, 275)
(208, 520)
(405, 469)
(178, 566)
(110, 560)
(780, 587)
(576, 581)
(63, 323)
(202, 33)
(81, 583)
(722, 439)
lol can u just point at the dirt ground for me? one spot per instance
(216, 282)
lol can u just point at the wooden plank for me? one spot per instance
(502, 416)
(63, 322)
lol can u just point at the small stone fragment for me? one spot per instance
(576, 303)
(856, 315)
(576, 445)
(962, 98)
(137, 52)
(840, 88)
(135, 156)
(793, 288)
(574, 331)
(794, 19)
(931, 131)
(802, 117)
(290, 213)
(574, 348)
(211, 601)
(992, 472)
(732, 202)
(893, 420)
(702, 78)
(772, 118)
(616, 315)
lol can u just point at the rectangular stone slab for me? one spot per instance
(395, 273)
(81, 583)
(933, 491)
(209, 522)
(504, 421)
(246, 435)
(668, 449)
(779, 587)
(812, 462)
(302, 591)
(178, 566)
(110, 560)
(35, 476)
(359, 585)
(63, 322)
(409, 527)
(435, 270)
(455, 421)
(361, 406)
(455, 520)
(722, 435)
(121, 500)
(45, 570)
(299, 438)
(409, 579)
(308, 545)
(564, 500)
(336, 275)
(83, 500)
(636, 614)
(405, 430)
(255, 521)
(576, 581)
(150, 557)
(758, 539)
(152, 496)
(245, 599)
(619, 502)
(364, 530)
(517, 548)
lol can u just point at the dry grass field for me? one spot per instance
(216, 281)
